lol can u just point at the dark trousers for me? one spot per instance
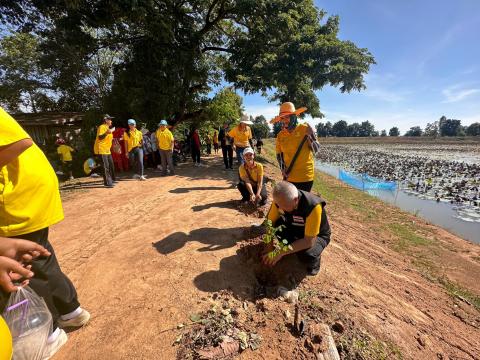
(227, 152)
(136, 158)
(166, 157)
(209, 149)
(196, 155)
(305, 186)
(310, 257)
(108, 170)
(242, 187)
(49, 281)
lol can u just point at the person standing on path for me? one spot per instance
(133, 148)
(251, 184)
(294, 146)
(165, 145)
(102, 148)
(215, 142)
(227, 149)
(65, 153)
(196, 146)
(30, 205)
(242, 137)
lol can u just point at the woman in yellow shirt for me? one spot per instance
(30, 204)
(242, 137)
(251, 184)
(133, 148)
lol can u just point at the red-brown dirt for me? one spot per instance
(144, 256)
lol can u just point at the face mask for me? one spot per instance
(292, 124)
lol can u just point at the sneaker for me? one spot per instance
(52, 348)
(142, 178)
(71, 178)
(136, 176)
(94, 175)
(78, 321)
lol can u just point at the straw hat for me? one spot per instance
(287, 109)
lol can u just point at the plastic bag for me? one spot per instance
(30, 323)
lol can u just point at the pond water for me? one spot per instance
(442, 214)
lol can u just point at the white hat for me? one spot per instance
(248, 150)
(246, 119)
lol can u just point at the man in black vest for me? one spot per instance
(306, 225)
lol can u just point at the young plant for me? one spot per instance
(272, 237)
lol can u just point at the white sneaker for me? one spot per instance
(71, 178)
(78, 321)
(136, 176)
(52, 348)
(142, 178)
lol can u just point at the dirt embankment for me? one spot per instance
(145, 256)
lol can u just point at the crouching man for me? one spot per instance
(306, 225)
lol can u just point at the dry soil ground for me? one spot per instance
(146, 255)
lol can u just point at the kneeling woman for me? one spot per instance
(251, 184)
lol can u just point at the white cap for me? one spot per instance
(248, 150)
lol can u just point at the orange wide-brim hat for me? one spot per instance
(287, 109)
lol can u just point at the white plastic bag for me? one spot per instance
(30, 323)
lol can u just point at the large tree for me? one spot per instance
(173, 50)
(450, 127)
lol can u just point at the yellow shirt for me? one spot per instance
(134, 140)
(102, 146)
(7, 345)
(312, 222)
(241, 137)
(256, 173)
(215, 138)
(29, 195)
(165, 139)
(287, 143)
(65, 152)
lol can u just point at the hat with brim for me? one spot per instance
(131, 122)
(163, 123)
(107, 117)
(245, 120)
(248, 150)
(287, 109)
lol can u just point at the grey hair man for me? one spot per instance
(306, 226)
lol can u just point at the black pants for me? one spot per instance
(242, 187)
(227, 152)
(108, 170)
(310, 257)
(305, 186)
(195, 155)
(49, 281)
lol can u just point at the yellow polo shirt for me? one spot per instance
(65, 152)
(312, 222)
(241, 137)
(164, 138)
(103, 146)
(287, 143)
(134, 140)
(29, 195)
(256, 173)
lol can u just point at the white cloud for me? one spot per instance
(457, 93)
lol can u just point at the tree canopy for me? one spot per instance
(167, 55)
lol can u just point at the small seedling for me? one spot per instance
(272, 237)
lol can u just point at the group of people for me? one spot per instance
(31, 204)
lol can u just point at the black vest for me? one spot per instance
(295, 220)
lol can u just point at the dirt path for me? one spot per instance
(146, 255)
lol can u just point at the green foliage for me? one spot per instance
(260, 127)
(23, 83)
(450, 127)
(225, 107)
(414, 131)
(383, 133)
(432, 129)
(473, 129)
(272, 237)
(340, 128)
(394, 131)
(168, 55)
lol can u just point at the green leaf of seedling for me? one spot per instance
(195, 318)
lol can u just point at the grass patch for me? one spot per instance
(365, 347)
(407, 237)
(456, 291)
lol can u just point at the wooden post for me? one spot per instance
(330, 352)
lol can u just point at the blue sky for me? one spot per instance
(428, 63)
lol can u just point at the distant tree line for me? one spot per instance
(445, 127)
(442, 127)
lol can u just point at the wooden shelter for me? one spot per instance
(46, 126)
